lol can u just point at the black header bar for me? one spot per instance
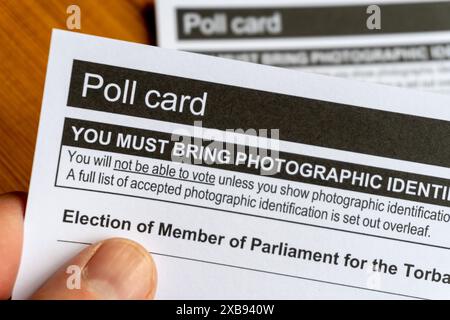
(340, 56)
(280, 22)
(131, 141)
(301, 120)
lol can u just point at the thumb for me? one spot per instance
(112, 269)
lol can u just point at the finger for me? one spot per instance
(112, 269)
(12, 208)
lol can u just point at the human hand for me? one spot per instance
(111, 269)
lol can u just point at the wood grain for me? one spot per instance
(25, 29)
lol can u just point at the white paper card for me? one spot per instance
(243, 180)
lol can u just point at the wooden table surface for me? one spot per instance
(25, 28)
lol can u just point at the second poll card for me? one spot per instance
(403, 43)
(242, 180)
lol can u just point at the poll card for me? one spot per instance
(243, 180)
(397, 42)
